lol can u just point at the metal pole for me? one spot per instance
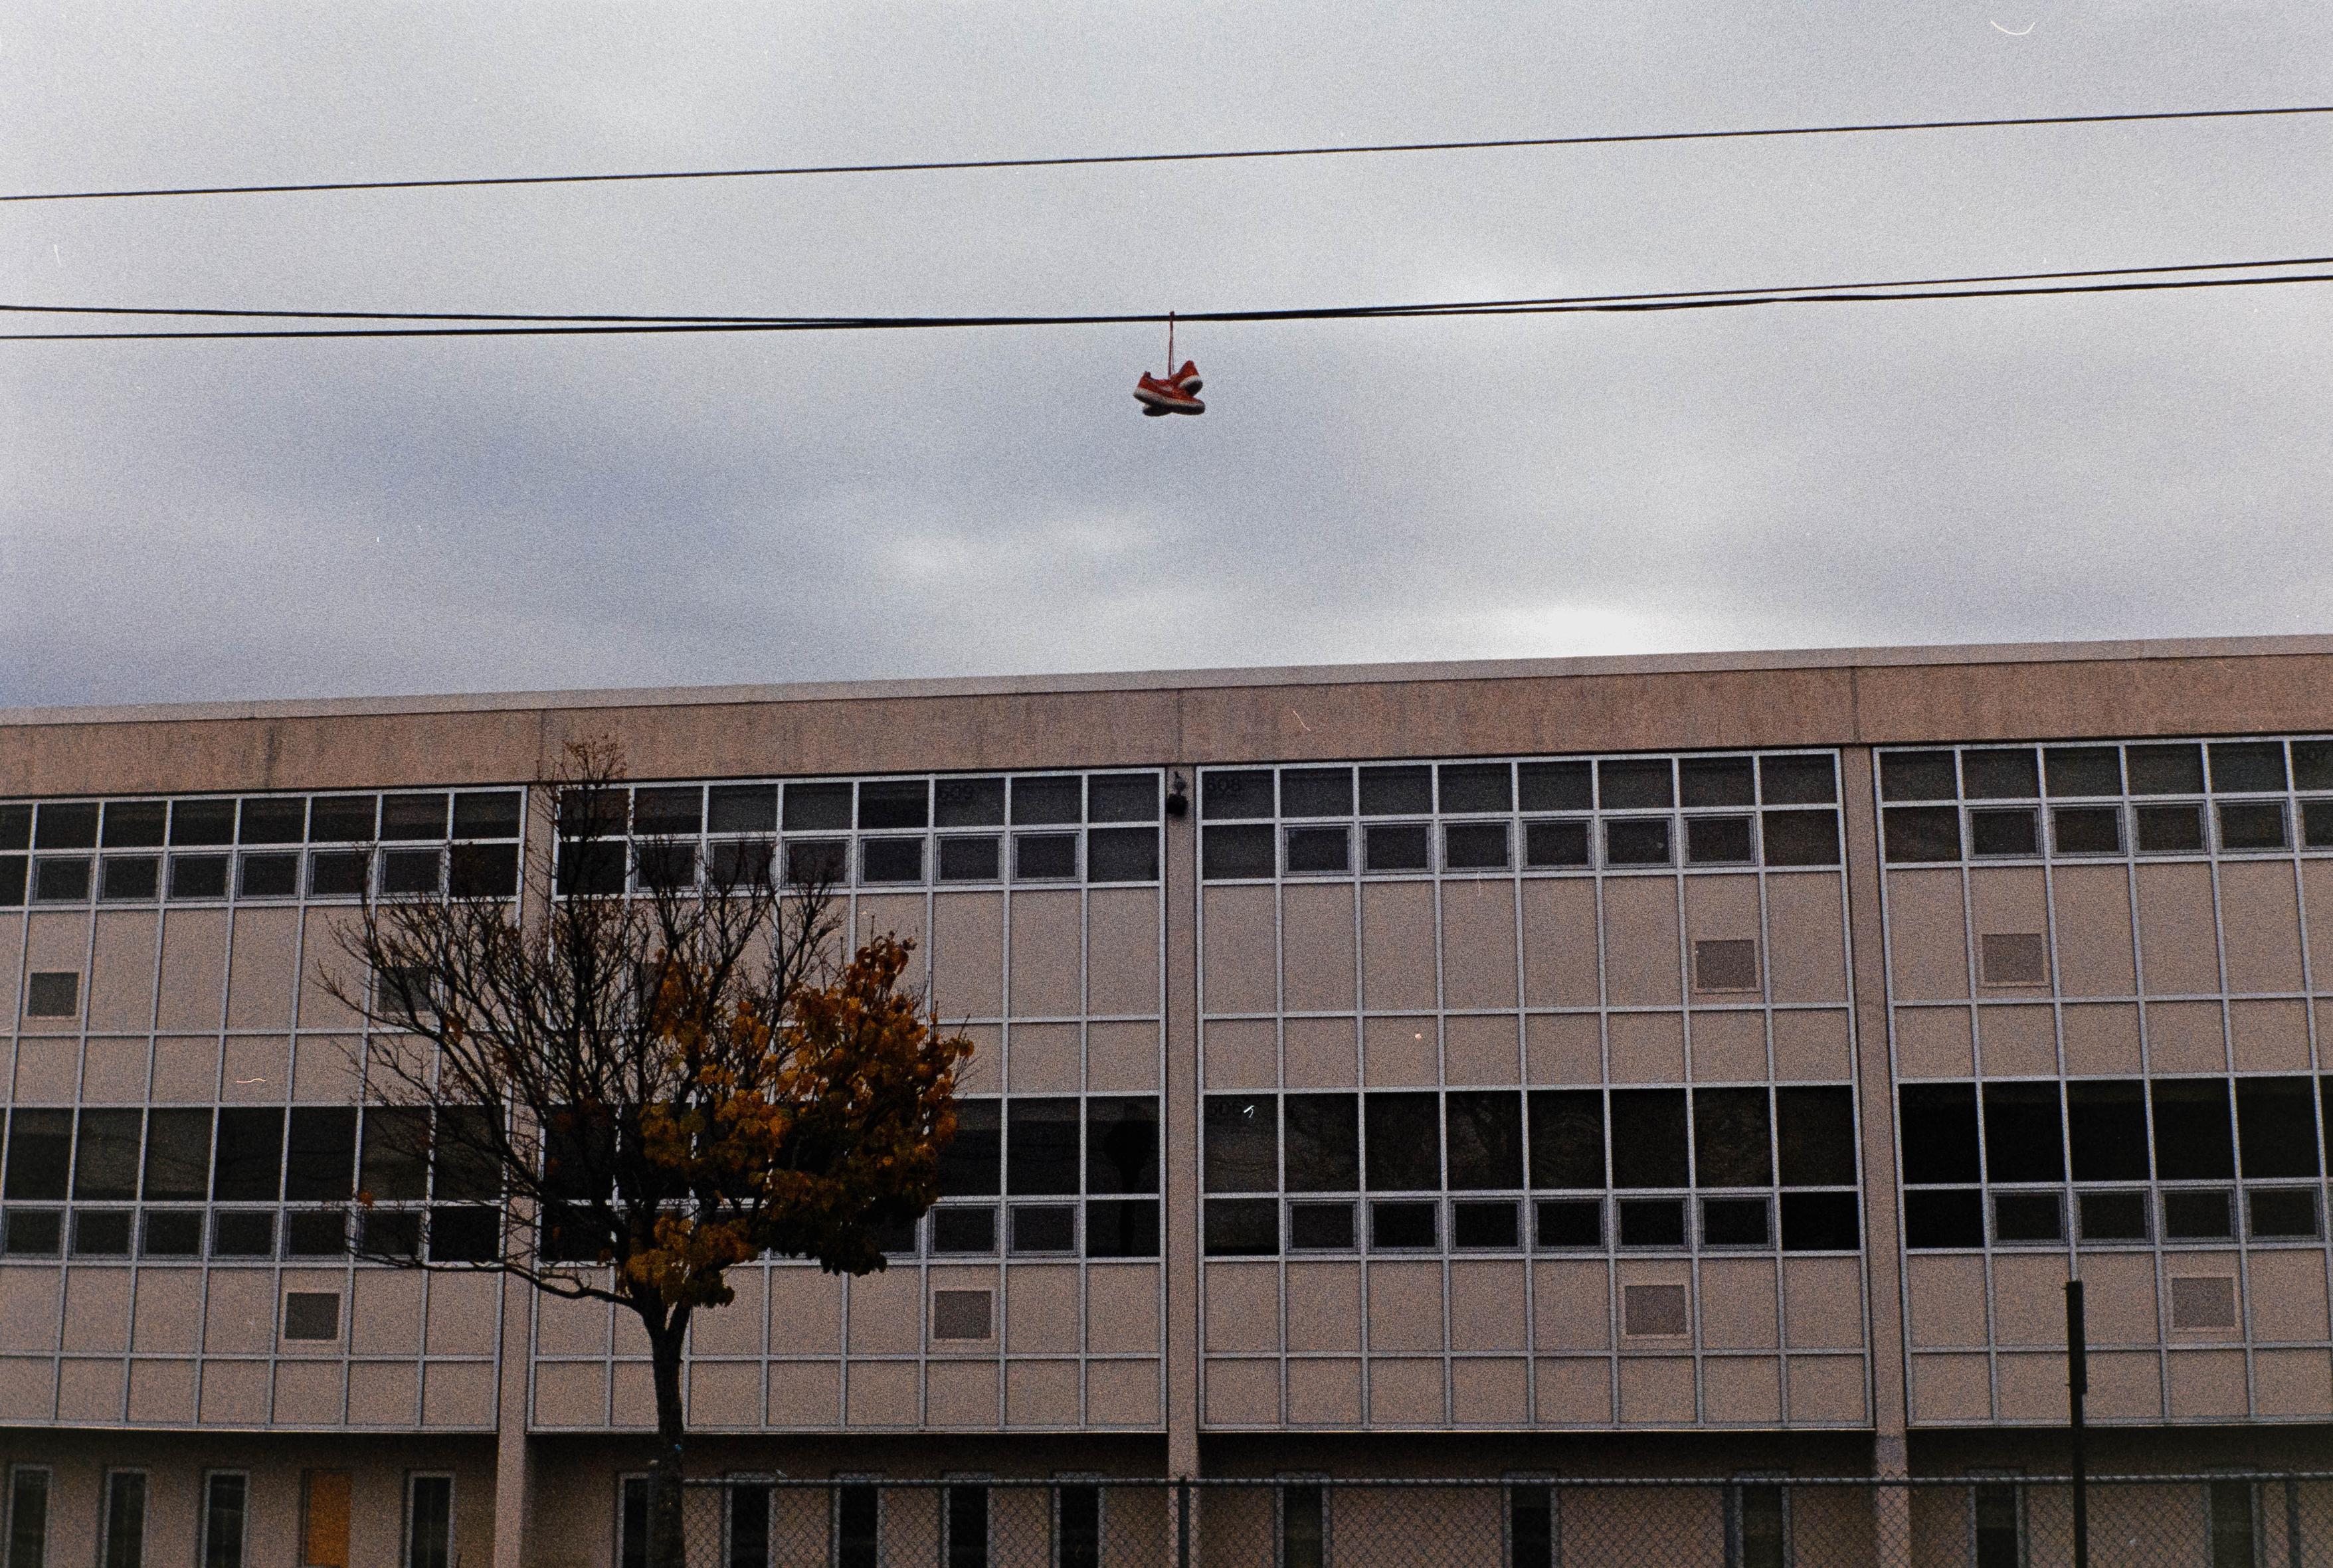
(1183, 1518)
(2078, 1383)
(2291, 1522)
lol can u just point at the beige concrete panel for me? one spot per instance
(1729, 1047)
(1041, 1309)
(1398, 946)
(1478, 944)
(1563, 1048)
(886, 1312)
(1829, 1391)
(1948, 1301)
(1048, 955)
(240, 1319)
(168, 1317)
(381, 1393)
(162, 1392)
(234, 1394)
(1656, 1390)
(1560, 949)
(2008, 900)
(1405, 1306)
(113, 1072)
(804, 1395)
(2287, 1293)
(982, 1072)
(1723, 905)
(1737, 1303)
(2316, 890)
(1320, 1053)
(1640, 942)
(1122, 1393)
(122, 971)
(1927, 936)
(2289, 1383)
(56, 940)
(1399, 1053)
(805, 1312)
(2178, 947)
(724, 1393)
(2016, 1041)
(1121, 1308)
(961, 1393)
(194, 974)
(1243, 1307)
(734, 1329)
(631, 1339)
(1407, 1393)
(2100, 1037)
(2125, 1386)
(1324, 1306)
(1573, 1302)
(1241, 1054)
(1646, 1047)
(1242, 1393)
(1742, 1391)
(896, 914)
(260, 979)
(1122, 951)
(1040, 1394)
(2092, 904)
(458, 1395)
(1935, 1043)
(1950, 1389)
(2259, 926)
(28, 1390)
(1122, 1058)
(2119, 1298)
(1481, 1049)
(2029, 1298)
(1806, 937)
(315, 1393)
(2185, 1038)
(1575, 1390)
(1490, 1393)
(96, 1309)
(968, 955)
(29, 1316)
(324, 957)
(1239, 968)
(1324, 1393)
(1044, 1059)
(12, 953)
(1822, 1303)
(1811, 1045)
(2207, 1385)
(1488, 1304)
(256, 1069)
(631, 1397)
(2267, 1037)
(464, 1313)
(564, 1327)
(90, 1390)
(1316, 960)
(324, 1069)
(48, 1072)
(571, 1394)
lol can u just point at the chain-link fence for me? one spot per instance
(2232, 1520)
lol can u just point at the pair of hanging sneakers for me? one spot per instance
(1176, 394)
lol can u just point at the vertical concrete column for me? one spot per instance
(1182, 1142)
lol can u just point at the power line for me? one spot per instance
(1089, 160)
(1583, 304)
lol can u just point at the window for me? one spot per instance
(225, 1499)
(28, 1516)
(1652, 1310)
(966, 1520)
(632, 1522)
(429, 1522)
(1725, 964)
(1077, 1526)
(961, 1314)
(311, 1314)
(1530, 1525)
(1041, 1148)
(2235, 1528)
(123, 1544)
(858, 1513)
(1404, 1142)
(1485, 1131)
(746, 1526)
(1760, 1535)
(53, 994)
(1243, 1144)
(2012, 958)
(2202, 1301)
(1998, 1524)
(1303, 1525)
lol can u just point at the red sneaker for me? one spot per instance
(1186, 380)
(1157, 397)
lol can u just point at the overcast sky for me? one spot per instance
(257, 519)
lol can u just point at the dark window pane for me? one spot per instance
(12, 881)
(1952, 1218)
(2276, 1122)
(816, 862)
(2312, 764)
(2166, 770)
(1797, 780)
(1633, 783)
(1571, 1222)
(34, 1232)
(320, 1153)
(202, 822)
(970, 802)
(1484, 1225)
(1122, 855)
(963, 1230)
(1485, 1128)
(1319, 851)
(395, 1163)
(667, 810)
(2087, 830)
(249, 1166)
(316, 1233)
(69, 824)
(2252, 825)
(1048, 798)
(1716, 781)
(1397, 791)
(2113, 1216)
(1325, 1226)
(2240, 766)
(177, 1154)
(1228, 852)
(130, 878)
(1652, 1222)
(894, 803)
(2106, 1121)
(742, 808)
(338, 873)
(389, 1232)
(1732, 1139)
(406, 815)
(1404, 1147)
(101, 1232)
(1474, 846)
(1242, 1227)
(1324, 1142)
(814, 807)
(1044, 856)
(105, 1154)
(465, 1235)
(1734, 1223)
(1937, 1122)
(2317, 824)
(2023, 1135)
(63, 880)
(1316, 791)
(891, 860)
(133, 824)
(2003, 774)
(2192, 1216)
(1555, 843)
(1922, 833)
(269, 876)
(2014, 831)
(1122, 798)
(484, 870)
(969, 1166)
(969, 860)
(1122, 1144)
(16, 826)
(668, 866)
(1555, 786)
(1822, 1222)
(1648, 1138)
(1917, 775)
(486, 814)
(40, 1154)
(590, 865)
(2170, 829)
(1477, 787)
(1041, 1145)
(2028, 1216)
(2193, 1142)
(462, 1162)
(1123, 1227)
(2083, 769)
(1801, 837)
(1396, 846)
(1637, 841)
(1718, 840)
(1044, 1228)
(1402, 1225)
(179, 1233)
(2284, 1213)
(1566, 1138)
(1243, 1147)
(1242, 792)
(1815, 1128)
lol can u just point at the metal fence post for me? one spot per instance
(2291, 1522)
(2078, 1383)
(1182, 1523)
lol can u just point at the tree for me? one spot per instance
(671, 1082)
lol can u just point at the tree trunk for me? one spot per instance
(667, 1542)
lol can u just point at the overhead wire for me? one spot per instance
(928, 166)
